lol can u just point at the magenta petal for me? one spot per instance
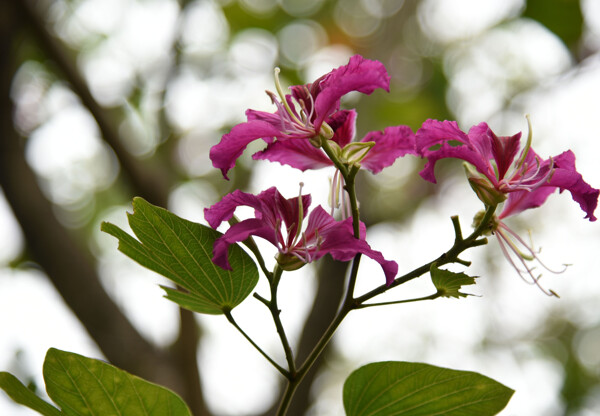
(224, 209)
(437, 140)
(319, 222)
(342, 246)
(504, 150)
(566, 177)
(519, 201)
(360, 74)
(480, 138)
(297, 153)
(232, 145)
(337, 239)
(237, 233)
(434, 132)
(343, 123)
(287, 210)
(271, 118)
(390, 144)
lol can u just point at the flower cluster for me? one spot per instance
(309, 130)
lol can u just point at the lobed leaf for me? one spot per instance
(397, 388)
(449, 283)
(181, 250)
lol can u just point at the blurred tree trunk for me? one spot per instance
(69, 264)
(66, 262)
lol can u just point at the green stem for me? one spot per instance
(275, 313)
(251, 341)
(297, 378)
(351, 189)
(451, 256)
(348, 305)
(395, 302)
(333, 157)
(251, 244)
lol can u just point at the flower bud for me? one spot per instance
(354, 152)
(485, 190)
(289, 262)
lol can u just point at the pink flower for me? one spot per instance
(503, 172)
(310, 112)
(499, 172)
(375, 151)
(279, 221)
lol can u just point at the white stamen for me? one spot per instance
(505, 238)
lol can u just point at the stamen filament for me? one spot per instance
(530, 250)
(528, 270)
(282, 96)
(300, 217)
(527, 144)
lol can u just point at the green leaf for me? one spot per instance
(22, 395)
(181, 250)
(83, 386)
(449, 283)
(414, 389)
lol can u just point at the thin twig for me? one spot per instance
(279, 368)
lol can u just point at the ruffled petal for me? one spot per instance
(337, 239)
(343, 123)
(566, 177)
(237, 233)
(519, 201)
(319, 222)
(288, 210)
(297, 153)
(437, 140)
(224, 209)
(390, 144)
(232, 145)
(341, 244)
(504, 150)
(360, 74)
(480, 139)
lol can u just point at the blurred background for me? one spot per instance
(103, 100)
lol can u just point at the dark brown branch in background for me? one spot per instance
(151, 183)
(68, 264)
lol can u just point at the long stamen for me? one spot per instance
(308, 114)
(533, 255)
(280, 240)
(530, 182)
(348, 205)
(527, 144)
(300, 217)
(528, 271)
(282, 96)
(334, 194)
